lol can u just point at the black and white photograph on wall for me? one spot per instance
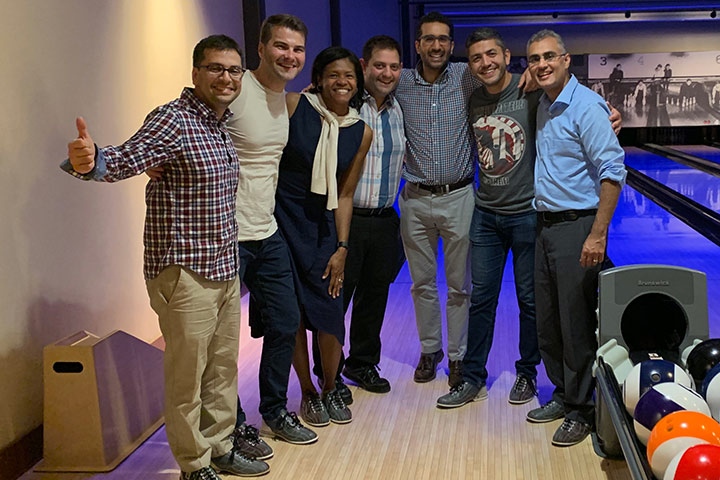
(659, 89)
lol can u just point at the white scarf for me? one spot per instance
(324, 180)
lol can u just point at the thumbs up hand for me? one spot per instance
(81, 151)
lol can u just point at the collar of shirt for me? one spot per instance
(566, 95)
(189, 97)
(442, 78)
(370, 100)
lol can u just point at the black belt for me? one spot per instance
(549, 218)
(445, 188)
(372, 212)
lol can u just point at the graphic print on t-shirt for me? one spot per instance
(501, 144)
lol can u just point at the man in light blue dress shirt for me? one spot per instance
(579, 173)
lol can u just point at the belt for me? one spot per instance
(372, 212)
(549, 218)
(445, 188)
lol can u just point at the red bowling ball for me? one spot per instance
(699, 462)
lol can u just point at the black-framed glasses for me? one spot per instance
(217, 70)
(430, 39)
(547, 56)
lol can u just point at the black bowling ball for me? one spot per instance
(702, 359)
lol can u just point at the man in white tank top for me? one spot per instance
(259, 131)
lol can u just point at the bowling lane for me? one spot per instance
(641, 232)
(702, 151)
(694, 184)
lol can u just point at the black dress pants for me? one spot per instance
(565, 303)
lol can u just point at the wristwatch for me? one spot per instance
(344, 245)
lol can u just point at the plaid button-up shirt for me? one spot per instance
(190, 218)
(441, 149)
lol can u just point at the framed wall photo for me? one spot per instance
(659, 89)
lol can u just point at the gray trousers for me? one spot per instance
(565, 303)
(425, 218)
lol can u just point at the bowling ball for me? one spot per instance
(676, 432)
(646, 375)
(699, 462)
(702, 359)
(661, 400)
(710, 390)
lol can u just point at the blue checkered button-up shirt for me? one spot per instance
(440, 143)
(380, 178)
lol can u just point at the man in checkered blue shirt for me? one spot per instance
(438, 199)
(190, 253)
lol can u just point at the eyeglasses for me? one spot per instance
(547, 56)
(217, 70)
(430, 39)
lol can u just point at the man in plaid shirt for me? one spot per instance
(190, 253)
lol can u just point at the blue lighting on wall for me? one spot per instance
(485, 13)
(577, 22)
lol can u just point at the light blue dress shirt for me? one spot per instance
(576, 149)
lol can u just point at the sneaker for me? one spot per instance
(570, 432)
(236, 463)
(336, 408)
(287, 427)
(552, 410)
(313, 410)
(247, 441)
(205, 473)
(462, 394)
(367, 378)
(523, 390)
(455, 372)
(426, 369)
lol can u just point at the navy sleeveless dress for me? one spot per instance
(304, 220)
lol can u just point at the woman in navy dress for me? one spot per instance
(319, 171)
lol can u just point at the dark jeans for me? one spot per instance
(566, 296)
(266, 271)
(374, 258)
(492, 236)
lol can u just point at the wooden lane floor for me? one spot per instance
(402, 435)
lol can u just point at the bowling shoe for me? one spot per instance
(247, 440)
(549, 412)
(313, 410)
(523, 391)
(236, 463)
(570, 432)
(462, 394)
(205, 473)
(336, 408)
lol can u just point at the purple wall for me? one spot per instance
(361, 20)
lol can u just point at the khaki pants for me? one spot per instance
(200, 321)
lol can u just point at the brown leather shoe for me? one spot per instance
(455, 374)
(427, 366)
